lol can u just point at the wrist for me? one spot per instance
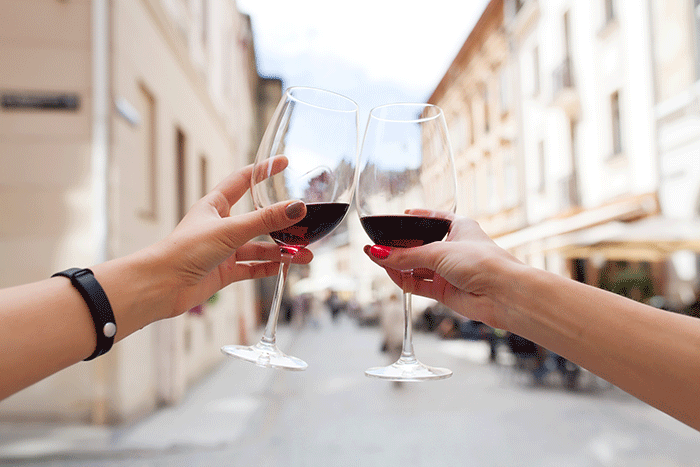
(138, 290)
(529, 298)
(510, 288)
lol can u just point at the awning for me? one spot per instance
(650, 239)
(632, 208)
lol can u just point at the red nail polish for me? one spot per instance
(380, 251)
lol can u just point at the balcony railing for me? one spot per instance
(562, 77)
(569, 196)
(523, 15)
(564, 92)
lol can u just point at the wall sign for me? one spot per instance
(40, 101)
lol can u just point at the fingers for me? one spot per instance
(265, 251)
(434, 289)
(303, 256)
(422, 257)
(236, 184)
(244, 227)
(256, 260)
(235, 272)
(268, 168)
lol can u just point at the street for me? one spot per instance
(332, 415)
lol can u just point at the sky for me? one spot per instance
(373, 51)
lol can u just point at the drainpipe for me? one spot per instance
(99, 175)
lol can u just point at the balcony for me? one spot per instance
(568, 193)
(564, 93)
(525, 14)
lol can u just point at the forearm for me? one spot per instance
(46, 326)
(647, 352)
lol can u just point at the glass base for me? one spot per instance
(408, 370)
(265, 355)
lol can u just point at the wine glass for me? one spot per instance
(406, 175)
(315, 132)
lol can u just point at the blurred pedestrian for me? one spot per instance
(391, 320)
(334, 304)
(316, 311)
(300, 310)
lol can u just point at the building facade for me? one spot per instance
(478, 97)
(587, 127)
(675, 29)
(116, 117)
(562, 116)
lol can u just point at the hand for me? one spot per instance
(210, 249)
(462, 272)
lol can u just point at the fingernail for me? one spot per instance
(380, 251)
(294, 210)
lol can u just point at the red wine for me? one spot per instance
(405, 231)
(320, 220)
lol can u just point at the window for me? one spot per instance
(180, 183)
(205, 24)
(563, 75)
(696, 23)
(567, 34)
(461, 195)
(541, 167)
(147, 134)
(609, 11)
(470, 123)
(458, 132)
(574, 197)
(203, 174)
(474, 201)
(510, 178)
(491, 184)
(504, 89)
(616, 126)
(482, 182)
(535, 71)
(487, 116)
(227, 63)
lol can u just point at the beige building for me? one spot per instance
(477, 95)
(676, 60)
(587, 128)
(116, 116)
(571, 150)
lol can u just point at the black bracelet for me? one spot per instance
(97, 302)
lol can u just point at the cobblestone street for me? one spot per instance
(332, 415)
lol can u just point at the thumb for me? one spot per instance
(265, 220)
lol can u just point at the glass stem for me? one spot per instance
(269, 336)
(407, 354)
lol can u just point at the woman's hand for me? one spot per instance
(656, 360)
(462, 272)
(210, 249)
